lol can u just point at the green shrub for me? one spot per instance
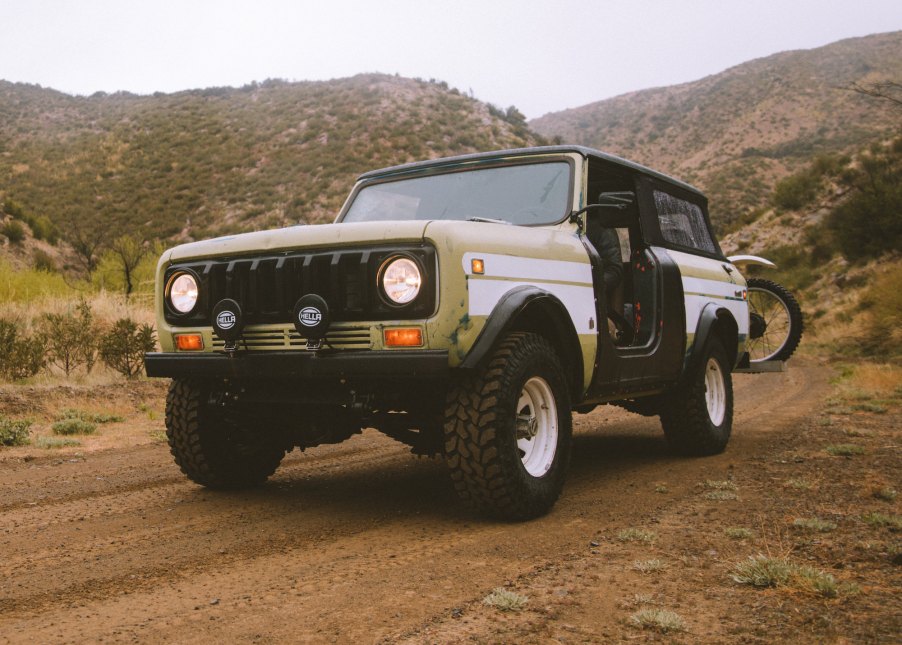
(43, 262)
(883, 336)
(867, 224)
(20, 356)
(13, 209)
(796, 191)
(56, 442)
(73, 426)
(92, 417)
(43, 229)
(124, 345)
(14, 231)
(14, 432)
(70, 340)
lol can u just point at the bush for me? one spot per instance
(883, 336)
(43, 229)
(124, 345)
(73, 426)
(14, 432)
(13, 209)
(70, 339)
(13, 231)
(92, 417)
(868, 224)
(43, 262)
(20, 357)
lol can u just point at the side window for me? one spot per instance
(683, 223)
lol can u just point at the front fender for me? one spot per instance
(529, 308)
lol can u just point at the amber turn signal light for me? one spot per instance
(189, 342)
(477, 266)
(404, 337)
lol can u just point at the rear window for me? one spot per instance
(683, 223)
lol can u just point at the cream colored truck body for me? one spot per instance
(512, 325)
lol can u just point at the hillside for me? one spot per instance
(204, 162)
(736, 133)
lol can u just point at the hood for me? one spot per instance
(301, 237)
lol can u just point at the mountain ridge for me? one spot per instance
(736, 133)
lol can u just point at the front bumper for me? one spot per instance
(301, 365)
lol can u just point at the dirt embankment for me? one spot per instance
(362, 542)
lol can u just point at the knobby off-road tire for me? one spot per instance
(209, 448)
(697, 415)
(508, 431)
(784, 325)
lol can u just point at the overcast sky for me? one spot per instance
(539, 55)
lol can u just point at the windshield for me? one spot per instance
(534, 193)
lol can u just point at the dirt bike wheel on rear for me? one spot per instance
(775, 325)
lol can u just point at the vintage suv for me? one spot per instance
(457, 305)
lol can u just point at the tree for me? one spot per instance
(889, 91)
(86, 243)
(128, 253)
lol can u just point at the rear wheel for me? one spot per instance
(697, 416)
(775, 322)
(210, 447)
(508, 431)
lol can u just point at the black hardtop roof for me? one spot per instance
(417, 166)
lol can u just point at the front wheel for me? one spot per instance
(697, 416)
(212, 448)
(775, 321)
(508, 430)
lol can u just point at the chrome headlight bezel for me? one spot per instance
(400, 280)
(182, 292)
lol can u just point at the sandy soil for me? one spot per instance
(361, 542)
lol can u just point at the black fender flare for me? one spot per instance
(528, 308)
(713, 319)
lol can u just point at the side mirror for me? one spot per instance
(616, 201)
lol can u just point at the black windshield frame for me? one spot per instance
(493, 164)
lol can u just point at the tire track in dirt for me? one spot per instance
(353, 543)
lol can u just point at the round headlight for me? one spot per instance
(183, 292)
(401, 281)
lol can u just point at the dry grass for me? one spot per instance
(637, 535)
(764, 571)
(505, 600)
(659, 620)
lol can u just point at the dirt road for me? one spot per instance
(359, 542)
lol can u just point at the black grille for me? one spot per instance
(268, 286)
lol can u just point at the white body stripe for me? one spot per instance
(570, 282)
(509, 266)
(699, 292)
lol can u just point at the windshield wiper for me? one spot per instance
(488, 220)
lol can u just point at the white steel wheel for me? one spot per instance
(537, 429)
(715, 392)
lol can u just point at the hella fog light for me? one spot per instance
(182, 292)
(401, 280)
